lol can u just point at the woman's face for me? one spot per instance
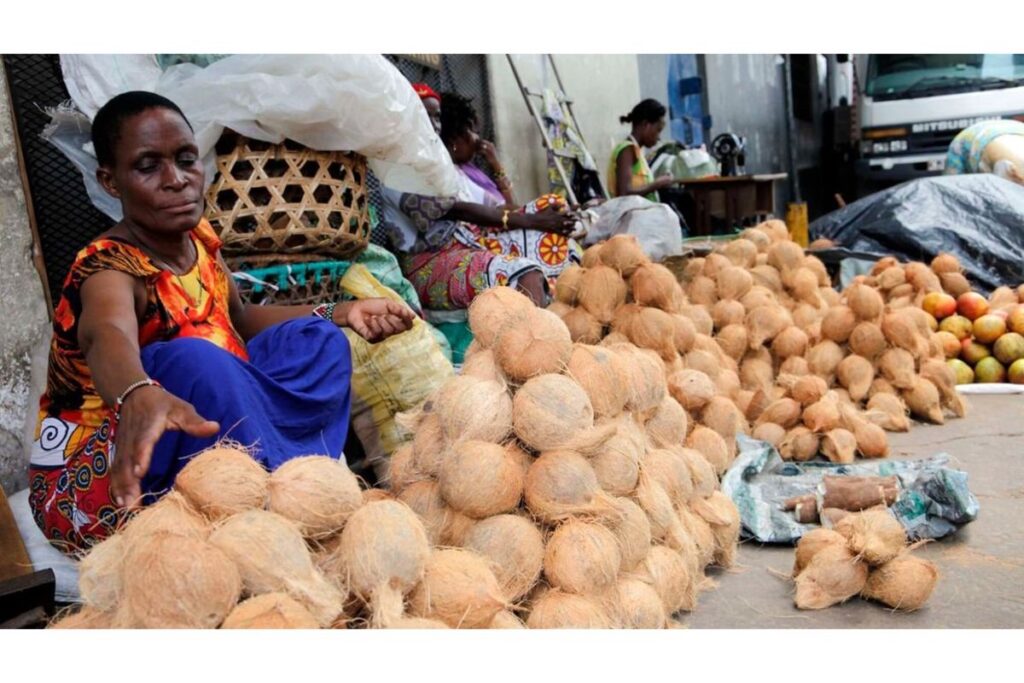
(157, 173)
(650, 132)
(463, 147)
(433, 108)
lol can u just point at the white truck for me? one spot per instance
(910, 107)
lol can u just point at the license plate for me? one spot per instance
(937, 165)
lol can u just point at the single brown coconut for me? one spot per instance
(758, 237)
(817, 266)
(558, 609)
(495, 310)
(583, 327)
(506, 619)
(881, 385)
(634, 604)
(632, 530)
(648, 328)
(270, 610)
(727, 312)
(715, 263)
(175, 581)
(720, 512)
(700, 317)
(712, 446)
(171, 514)
(483, 365)
(683, 333)
(613, 338)
(669, 425)
(885, 263)
(733, 341)
(567, 287)
(562, 484)
(672, 577)
(890, 278)
(770, 433)
(839, 446)
(474, 409)
(317, 492)
(803, 285)
(601, 291)
(702, 472)
(768, 277)
(701, 534)
(795, 366)
(838, 324)
(424, 498)
(856, 374)
(824, 358)
(724, 417)
(831, 577)
(874, 535)
(809, 389)
(515, 549)
(582, 557)
(691, 388)
(707, 362)
(811, 543)
(540, 343)
(592, 256)
(785, 256)
(551, 411)
(623, 254)
(656, 502)
(901, 332)
(765, 323)
(602, 374)
(757, 297)
(784, 412)
(866, 303)
(402, 470)
(741, 251)
(559, 309)
(892, 412)
(922, 398)
(702, 291)
(85, 618)
(946, 263)
(671, 470)
(459, 589)
(456, 529)
(897, 365)
(272, 557)
(905, 290)
(871, 439)
(99, 573)
(822, 416)
(903, 583)
(652, 284)
(756, 375)
(790, 342)
(646, 377)
(383, 550)
(222, 481)
(923, 278)
(481, 479)
(429, 445)
(616, 462)
(800, 444)
(955, 284)
(941, 375)
(733, 283)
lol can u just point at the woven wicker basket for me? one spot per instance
(288, 199)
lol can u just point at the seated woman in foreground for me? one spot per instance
(154, 356)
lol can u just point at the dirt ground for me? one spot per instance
(982, 565)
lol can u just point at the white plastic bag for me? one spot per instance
(654, 225)
(359, 103)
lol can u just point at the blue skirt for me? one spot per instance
(292, 398)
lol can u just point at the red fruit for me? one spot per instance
(950, 344)
(939, 305)
(988, 328)
(972, 305)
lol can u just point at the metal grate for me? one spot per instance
(65, 218)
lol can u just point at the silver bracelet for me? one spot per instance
(130, 388)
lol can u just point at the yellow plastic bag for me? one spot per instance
(391, 376)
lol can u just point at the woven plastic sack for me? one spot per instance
(391, 376)
(653, 224)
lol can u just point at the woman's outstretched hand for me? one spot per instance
(376, 319)
(146, 414)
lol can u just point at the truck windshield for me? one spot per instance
(907, 76)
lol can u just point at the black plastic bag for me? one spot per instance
(978, 218)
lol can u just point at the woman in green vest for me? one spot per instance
(628, 172)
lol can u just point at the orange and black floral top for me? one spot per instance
(72, 448)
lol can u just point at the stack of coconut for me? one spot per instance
(757, 341)
(865, 554)
(561, 466)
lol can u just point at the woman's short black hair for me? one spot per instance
(457, 116)
(106, 126)
(648, 111)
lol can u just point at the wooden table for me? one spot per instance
(739, 197)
